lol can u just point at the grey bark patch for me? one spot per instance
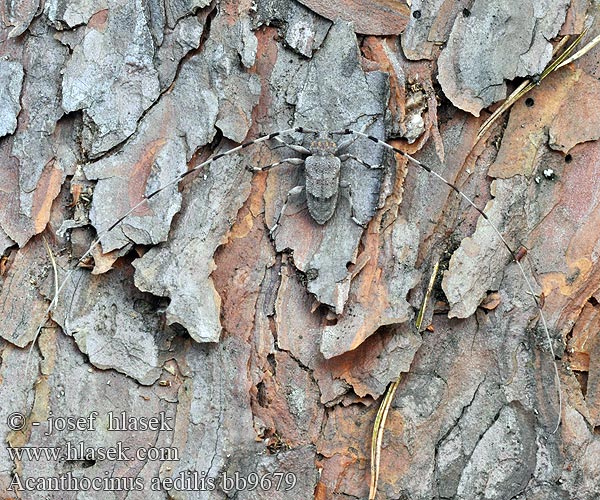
(29, 156)
(79, 390)
(116, 325)
(431, 27)
(216, 427)
(178, 9)
(11, 79)
(297, 465)
(21, 309)
(479, 412)
(176, 127)
(216, 431)
(5, 242)
(111, 77)
(176, 44)
(168, 135)
(362, 96)
(15, 397)
(329, 263)
(397, 358)
(504, 459)
(180, 268)
(73, 12)
(300, 334)
(341, 337)
(19, 15)
(497, 42)
(477, 265)
(247, 44)
(111, 198)
(303, 30)
(470, 427)
(41, 97)
(365, 17)
(223, 54)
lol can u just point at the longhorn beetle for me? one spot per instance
(322, 168)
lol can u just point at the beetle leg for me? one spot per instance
(293, 161)
(345, 157)
(292, 192)
(295, 147)
(346, 186)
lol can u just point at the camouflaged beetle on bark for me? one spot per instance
(322, 167)
(322, 174)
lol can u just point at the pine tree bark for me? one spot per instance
(215, 346)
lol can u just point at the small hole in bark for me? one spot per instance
(582, 378)
(261, 394)
(568, 159)
(417, 14)
(272, 363)
(312, 274)
(466, 12)
(331, 321)
(179, 330)
(83, 464)
(529, 102)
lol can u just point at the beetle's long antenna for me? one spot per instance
(273, 135)
(512, 252)
(144, 199)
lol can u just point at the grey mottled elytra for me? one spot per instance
(322, 169)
